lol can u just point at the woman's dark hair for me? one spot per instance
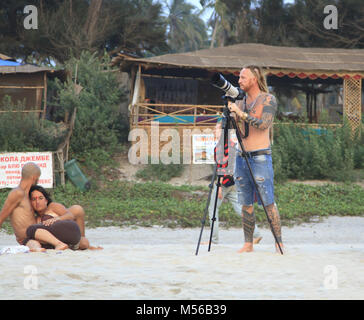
(41, 190)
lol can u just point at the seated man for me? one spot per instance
(72, 229)
(17, 207)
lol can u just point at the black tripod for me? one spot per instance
(230, 122)
(225, 127)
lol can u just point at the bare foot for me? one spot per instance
(257, 240)
(248, 247)
(95, 248)
(37, 250)
(277, 248)
(61, 246)
(35, 246)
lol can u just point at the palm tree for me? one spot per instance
(218, 20)
(231, 21)
(186, 31)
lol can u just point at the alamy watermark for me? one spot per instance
(331, 278)
(31, 20)
(170, 146)
(170, 152)
(31, 278)
(331, 21)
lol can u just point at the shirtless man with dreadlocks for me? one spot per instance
(257, 109)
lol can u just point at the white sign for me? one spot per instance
(203, 148)
(12, 163)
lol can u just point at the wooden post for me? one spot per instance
(315, 105)
(45, 95)
(54, 170)
(63, 147)
(190, 174)
(194, 116)
(134, 108)
(61, 166)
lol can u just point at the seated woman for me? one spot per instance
(67, 225)
(66, 234)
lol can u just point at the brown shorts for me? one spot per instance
(66, 231)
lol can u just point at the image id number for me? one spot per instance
(203, 309)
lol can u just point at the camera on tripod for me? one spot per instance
(231, 92)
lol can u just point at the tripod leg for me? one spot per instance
(273, 214)
(218, 186)
(206, 209)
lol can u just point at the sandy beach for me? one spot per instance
(323, 260)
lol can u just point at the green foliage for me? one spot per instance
(316, 154)
(99, 125)
(121, 203)
(300, 23)
(136, 26)
(21, 132)
(143, 27)
(162, 172)
(126, 203)
(359, 152)
(300, 202)
(186, 30)
(154, 203)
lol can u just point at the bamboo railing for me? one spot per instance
(143, 114)
(199, 115)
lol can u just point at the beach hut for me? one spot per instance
(27, 84)
(175, 89)
(24, 83)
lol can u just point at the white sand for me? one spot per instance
(158, 263)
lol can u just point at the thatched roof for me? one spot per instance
(27, 68)
(4, 57)
(233, 58)
(21, 68)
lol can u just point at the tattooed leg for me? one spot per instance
(248, 227)
(273, 215)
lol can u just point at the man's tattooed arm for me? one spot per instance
(269, 110)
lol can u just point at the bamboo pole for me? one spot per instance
(22, 87)
(26, 111)
(45, 95)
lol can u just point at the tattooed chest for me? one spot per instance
(255, 111)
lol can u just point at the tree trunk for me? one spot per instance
(91, 21)
(214, 32)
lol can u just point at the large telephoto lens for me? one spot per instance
(219, 81)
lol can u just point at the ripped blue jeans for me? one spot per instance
(263, 173)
